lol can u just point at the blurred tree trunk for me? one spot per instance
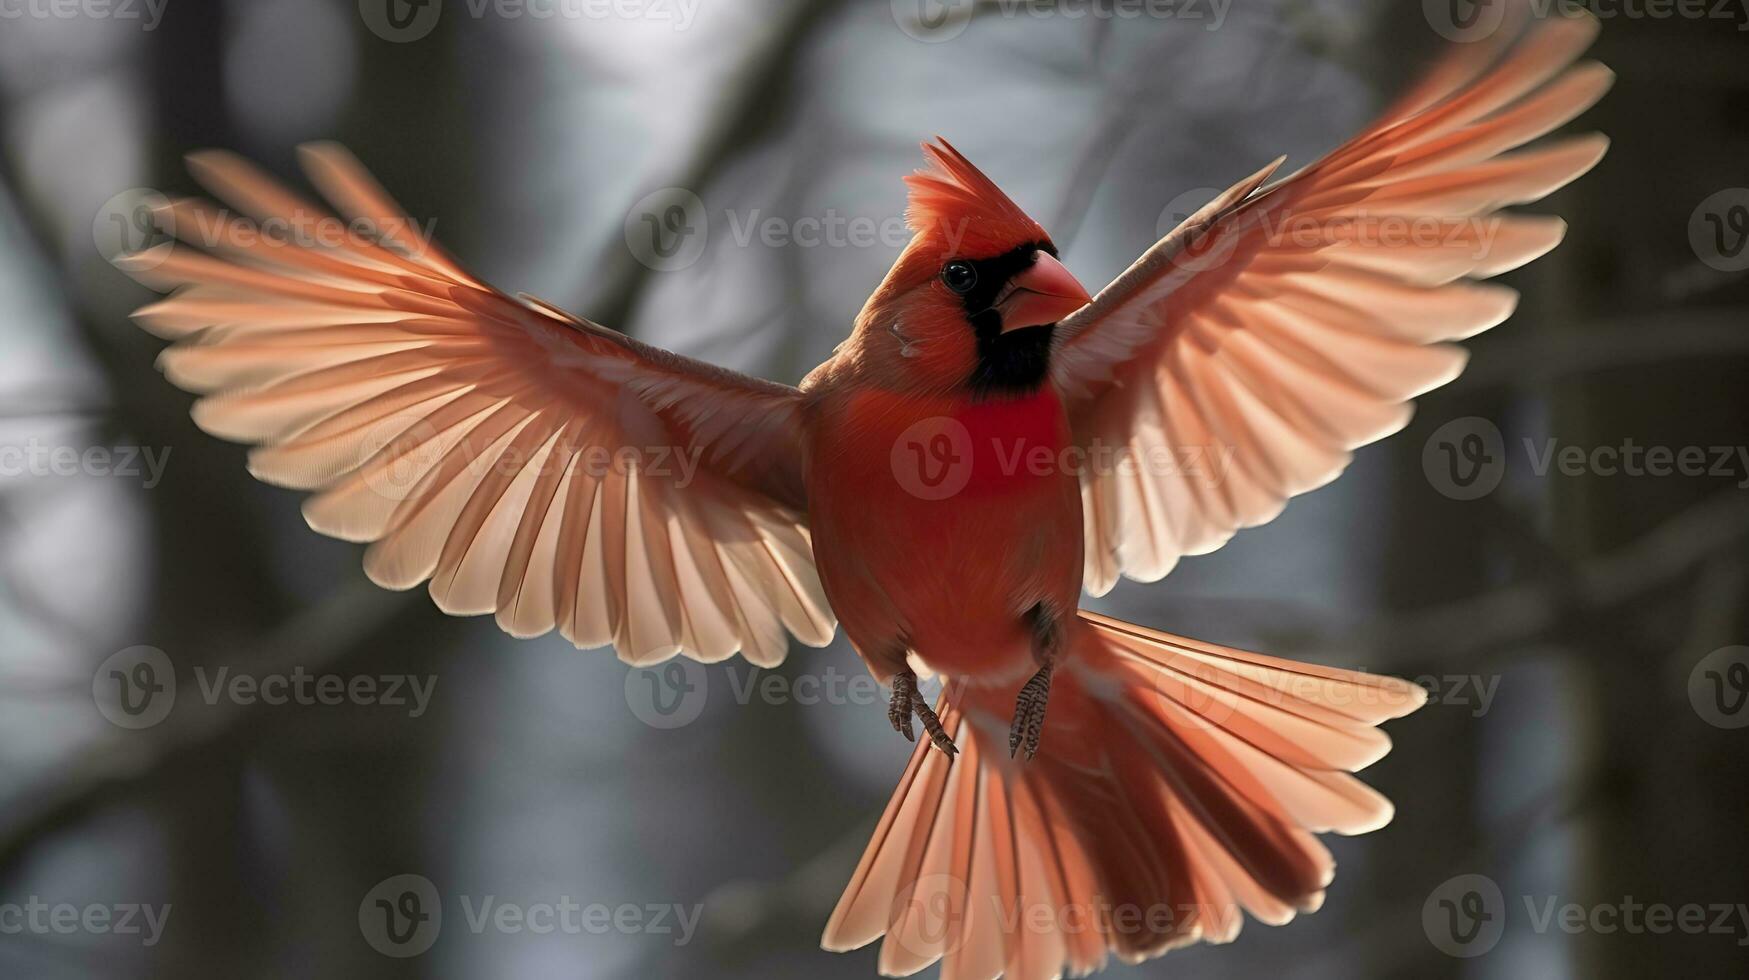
(211, 581)
(1669, 825)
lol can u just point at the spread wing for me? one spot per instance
(1242, 358)
(526, 462)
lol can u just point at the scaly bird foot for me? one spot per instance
(899, 709)
(1029, 713)
(906, 702)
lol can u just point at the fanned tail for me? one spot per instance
(1177, 783)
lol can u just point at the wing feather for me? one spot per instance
(1283, 326)
(524, 462)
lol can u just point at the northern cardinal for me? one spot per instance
(1085, 786)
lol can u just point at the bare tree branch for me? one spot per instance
(744, 117)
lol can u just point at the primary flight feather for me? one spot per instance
(987, 444)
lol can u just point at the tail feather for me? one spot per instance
(1178, 783)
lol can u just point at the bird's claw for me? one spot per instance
(899, 709)
(907, 702)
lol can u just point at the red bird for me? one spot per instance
(987, 444)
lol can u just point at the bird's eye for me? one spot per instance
(960, 277)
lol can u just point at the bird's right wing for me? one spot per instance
(1243, 358)
(529, 463)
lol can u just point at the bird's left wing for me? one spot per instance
(529, 463)
(1241, 359)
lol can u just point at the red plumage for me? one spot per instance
(938, 486)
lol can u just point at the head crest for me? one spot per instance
(955, 205)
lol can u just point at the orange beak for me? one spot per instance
(1042, 294)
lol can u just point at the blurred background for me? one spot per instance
(1580, 627)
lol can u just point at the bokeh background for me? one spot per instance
(1580, 629)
